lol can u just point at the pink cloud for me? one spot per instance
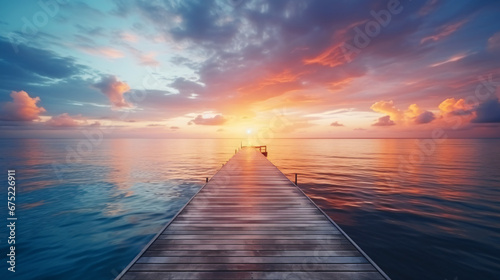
(494, 42)
(22, 108)
(103, 51)
(62, 120)
(384, 121)
(128, 37)
(200, 120)
(148, 59)
(114, 90)
(445, 31)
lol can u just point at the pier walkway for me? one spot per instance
(250, 222)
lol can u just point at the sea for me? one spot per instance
(421, 209)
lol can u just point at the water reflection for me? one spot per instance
(441, 214)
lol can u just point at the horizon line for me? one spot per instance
(230, 138)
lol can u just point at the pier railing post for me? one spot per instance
(295, 178)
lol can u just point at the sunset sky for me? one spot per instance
(233, 69)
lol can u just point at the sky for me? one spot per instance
(259, 69)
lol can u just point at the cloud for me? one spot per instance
(413, 115)
(425, 117)
(103, 51)
(114, 90)
(494, 42)
(451, 59)
(62, 120)
(455, 107)
(384, 121)
(28, 64)
(199, 21)
(174, 127)
(216, 120)
(21, 108)
(388, 108)
(445, 31)
(488, 112)
(336, 123)
(429, 7)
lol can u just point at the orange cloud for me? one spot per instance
(445, 31)
(413, 115)
(284, 77)
(333, 56)
(338, 53)
(453, 105)
(388, 108)
(271, 86)
(333, 86)
(413, 111)
(114, 90)
(22, 108)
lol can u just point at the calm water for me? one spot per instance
(419, 213)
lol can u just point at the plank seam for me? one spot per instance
(126, 269)
(338, 227)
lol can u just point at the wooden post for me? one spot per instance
(295, 178)
(206, 180)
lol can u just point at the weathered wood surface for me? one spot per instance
(250, 222)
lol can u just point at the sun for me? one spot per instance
(249, 131)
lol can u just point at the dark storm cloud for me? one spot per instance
(488, 112)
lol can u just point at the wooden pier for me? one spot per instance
(250, 222)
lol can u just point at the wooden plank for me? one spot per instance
(276, 275)
(250, 222)
(238, 232)
(253, 241)
(256, 247)
(342, 251)
(252, 267)
(296, 260)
